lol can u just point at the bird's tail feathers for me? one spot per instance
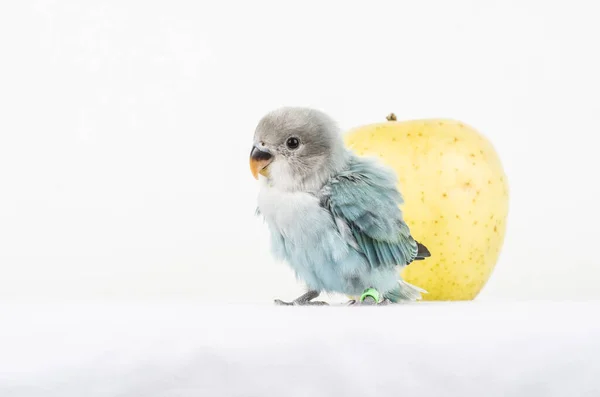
(422, 252)
(405, 292)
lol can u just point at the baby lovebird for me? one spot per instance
(333, 217)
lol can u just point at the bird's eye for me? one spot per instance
(292, 143)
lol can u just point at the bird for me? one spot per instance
(333, 216)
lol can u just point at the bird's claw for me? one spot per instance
(279, 302)
(368, 302)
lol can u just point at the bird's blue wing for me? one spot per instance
(364, 202)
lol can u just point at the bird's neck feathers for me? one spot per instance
(286, 179)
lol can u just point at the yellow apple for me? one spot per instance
(455, 199)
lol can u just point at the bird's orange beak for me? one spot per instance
(259, 161)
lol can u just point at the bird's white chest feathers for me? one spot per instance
(292, 214)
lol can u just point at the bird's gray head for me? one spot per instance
(297, 149)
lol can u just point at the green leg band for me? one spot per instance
(372, 292)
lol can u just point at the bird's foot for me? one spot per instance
(370, 297)
(304, 300)
(279, 302)
(368, 302)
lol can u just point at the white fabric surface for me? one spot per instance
(187, 349)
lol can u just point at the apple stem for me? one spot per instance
(391, 117)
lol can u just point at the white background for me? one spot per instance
(125, 129)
